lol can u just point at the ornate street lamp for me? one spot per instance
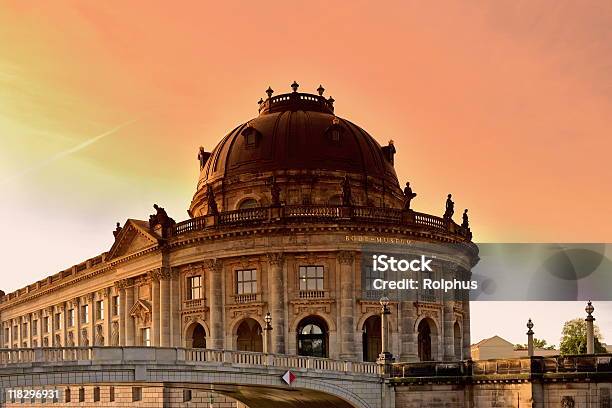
(267, 328)
(590, 328)
(530, 338)
(385, 356)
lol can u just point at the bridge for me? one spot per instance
(254, 379)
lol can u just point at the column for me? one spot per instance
(121, 289)
(277, 301)
(214, 269)
(465, 327)
(155, 305)
(530, 338)
(347, 302)
(164, 308)
(64, 324)
(175, 309)
(39, 328)
(590, 329)
(91, 299)
(130, 335)
(108, 317)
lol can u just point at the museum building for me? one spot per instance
(283, 207)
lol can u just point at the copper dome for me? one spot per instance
(298, 131)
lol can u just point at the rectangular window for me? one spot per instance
(111, 394)
(45, 324)
(145, 335)
(24, 330)
(7, 334)
(57, 321)
(96, 394)
(187, 396)
(311, 277)
(81, 394)
(34, 327)
(100, 310)
(246, 281)
(70, 317)
(115, 305)
(67, 395)
(85, 314)
(194, 287)
(136, 394)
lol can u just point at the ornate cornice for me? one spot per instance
(213, 265)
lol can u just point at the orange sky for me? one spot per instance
(506, 104)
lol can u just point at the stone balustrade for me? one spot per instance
(167, 355)
(321, 213)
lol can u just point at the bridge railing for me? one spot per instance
(166, 355)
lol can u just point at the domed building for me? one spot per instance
(285, 208)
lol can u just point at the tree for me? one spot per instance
(537, 343)
(573, 340)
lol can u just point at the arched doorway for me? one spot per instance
(312, 337)
(427, 340)
(249, 336)
(196, 336)
(372, 344)
(457, 341)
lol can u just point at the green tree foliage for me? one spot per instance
(537, 343)
(573, 340)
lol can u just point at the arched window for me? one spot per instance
(312, 337)
(248, 203)
(457, 341)
(372, 344)
(427, 340)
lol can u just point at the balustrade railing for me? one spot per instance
(319, 212)
(246, 298)
(80, 355)
(312, 294)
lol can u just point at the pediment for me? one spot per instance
(141, 310)
(134, 237)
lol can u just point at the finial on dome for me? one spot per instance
(269, 91)
(320, 90)
(260, 101)
(295, 86)
(331, 101)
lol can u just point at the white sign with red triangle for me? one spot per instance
(289, 377)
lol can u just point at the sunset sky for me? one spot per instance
(505, 104)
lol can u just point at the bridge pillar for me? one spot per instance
(347, 318)
(277, 301)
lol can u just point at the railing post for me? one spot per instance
(227, 357)
(38, 355)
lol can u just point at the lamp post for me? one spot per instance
(530, 338)
(590, 329)
(266, 331)
(385, 356)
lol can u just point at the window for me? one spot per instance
(34, 327)
(67, 395)
(34, 343)
(85, 314)
(187, 396)
(145, 335)
(111, 394)
(46, 324)
(311, 277)
(246, 281)
(7, 334)
(136, 394)
(115, 305)
(96, 394)
(70, 318)
(57, 321)
(24, 330)
(251, 136)
(81, 394)
(100, 310)
(248, 203)
(194, 287)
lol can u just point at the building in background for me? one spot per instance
(498, 348)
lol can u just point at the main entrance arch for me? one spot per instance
(312, 337)
(249, 336)
(372, 343)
